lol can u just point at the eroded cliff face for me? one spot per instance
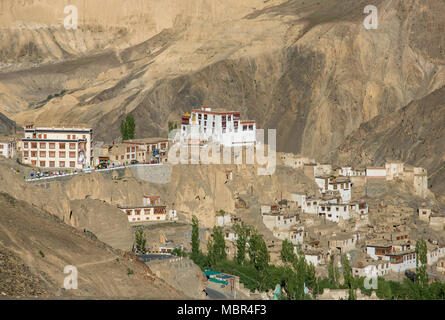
(308, 69)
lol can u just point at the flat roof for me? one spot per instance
(145, 140)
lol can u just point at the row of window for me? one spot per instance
(51, 154)
(52, 164)
(51, 145)
(68, 136)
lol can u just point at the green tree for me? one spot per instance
(219, 245)
(131, 126)
(348, 278)
(333, 273)
(258, 253)
(195, 237)
(287, 252)
(140, 240)
(242, 231)
(124, 133)
(128, 127)
(421, 263)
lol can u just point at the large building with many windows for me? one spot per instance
(47, 147)
(217, 125)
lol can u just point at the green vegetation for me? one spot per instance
(129, 271)
(296, 277)
(42, 254)
(172, 126)
(140, 240)
(128, 127)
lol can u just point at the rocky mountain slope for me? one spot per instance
(307, 68)
(413, 134)
(35, 247)
(7, 126)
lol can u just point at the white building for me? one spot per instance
(46, 147)
(294, 235)
(372, 269)
(334, 211)
(331, 183)
(376, 173)
(350, 172)
(279, 221)
(7, 148)
(151, 210)
(220, 126)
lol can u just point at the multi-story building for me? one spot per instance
(151, 210)
(331, 183)
(7, 148)
(49, 147)
(219, 126)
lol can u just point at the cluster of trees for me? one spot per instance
(296, 277)
(172, 126)
(128, 127)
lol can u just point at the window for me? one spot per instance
(33, 145)
(251, 127)
(25, 154)
(52, 164)
(84, 136)
(33, 162)
(44, 136)
(33, 153)
(72, 146)
(52, 154)
(43, 163)
(62, 145)
(62, 154)
(72, 154)
(43, 154)
(62, 164)
(244, 128)
(42, 145)
(68, 137)
(133, 149)
(74, 137)
(72, 164)
(25, 145)
(52, 145)
(128, 149)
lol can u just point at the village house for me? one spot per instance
(376, 173)
(331, 183)
(223, 219)
(394, 169)
(343, 242)
(350, 172)
(371, 269)
(7, 147)
(295, 235)
(424, 214)
(151, 210)
(401, 256)
(280, 221)
(437, 221)
(440, 267)
(334, 212)
(51, 147)
(147, 150)
(217, 125)
(294, 161)
(313, 257)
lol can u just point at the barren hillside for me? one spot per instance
(307, 68)
(35, 248)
